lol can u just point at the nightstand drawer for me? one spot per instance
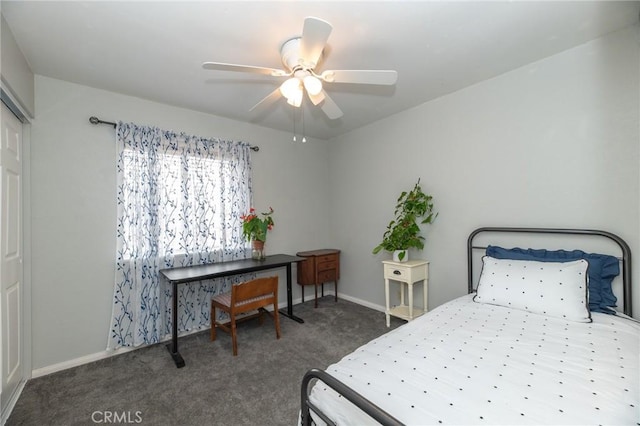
(328, 275)
(324, 266)
(327, 258)
(394, 272)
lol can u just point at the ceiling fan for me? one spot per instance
(300, 57)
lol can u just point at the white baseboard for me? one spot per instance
(356, 300)
(54, 368)
(361, 302)
(11, 403)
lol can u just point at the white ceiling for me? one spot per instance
(154, 50)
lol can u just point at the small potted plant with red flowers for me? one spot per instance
(254, 229)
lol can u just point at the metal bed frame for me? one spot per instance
(385, 418)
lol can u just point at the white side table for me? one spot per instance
(409, 273)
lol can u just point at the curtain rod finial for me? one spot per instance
(95, 120)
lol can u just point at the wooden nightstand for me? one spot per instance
(319, 267)
(408, 273)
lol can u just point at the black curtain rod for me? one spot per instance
(96, 120)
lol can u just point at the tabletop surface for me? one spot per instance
(221, 269)
(321, 252)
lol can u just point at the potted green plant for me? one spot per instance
(403, 232)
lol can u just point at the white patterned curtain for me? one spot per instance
(179, 201)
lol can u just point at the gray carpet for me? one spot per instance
(261, 386)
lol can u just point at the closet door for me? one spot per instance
(11, 273)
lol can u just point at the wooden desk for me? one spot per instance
(187, 274)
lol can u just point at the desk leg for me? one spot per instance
(289, 312)
(173, 346)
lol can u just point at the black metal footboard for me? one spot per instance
(354, 397)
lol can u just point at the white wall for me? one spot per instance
(74, 209)
(16, 75)
(552, 144)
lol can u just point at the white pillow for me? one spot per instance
(557, 289)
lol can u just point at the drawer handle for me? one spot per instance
(396, 272)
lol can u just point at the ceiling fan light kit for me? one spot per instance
(291, 89)
(313, 85)
(300, 57)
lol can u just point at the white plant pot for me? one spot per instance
(396, 255)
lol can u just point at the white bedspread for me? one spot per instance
(471, 363)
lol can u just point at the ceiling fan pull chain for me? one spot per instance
(304, 139)
(294, 123)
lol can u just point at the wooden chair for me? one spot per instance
(243, 298)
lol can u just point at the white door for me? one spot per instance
(11, 290)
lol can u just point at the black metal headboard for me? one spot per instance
(624, 247)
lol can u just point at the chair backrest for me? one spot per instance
(254, 294)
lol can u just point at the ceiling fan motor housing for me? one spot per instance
(290, 53)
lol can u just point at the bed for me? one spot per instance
(527, 345)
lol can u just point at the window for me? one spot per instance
(189, 201)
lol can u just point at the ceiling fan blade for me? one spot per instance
(381, 77)
(220, 66)
(315, 34)
(268, 100)
(316, 99)
(330, 108)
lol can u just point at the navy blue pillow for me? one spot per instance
(602, 270)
